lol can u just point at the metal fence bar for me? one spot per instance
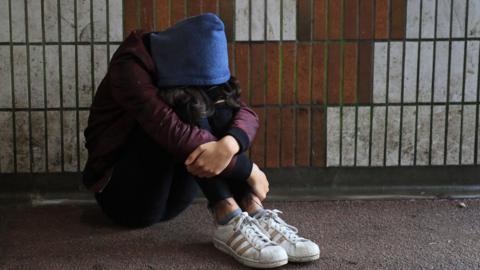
(463, 84)
(417, 87)
(342, 74)
(45, 99)
(475, 152)
(12, 82)
(310, 114)
(432, 98)
(387, 99)
(325, 81)
(295, 99)
(60, 71)
(107, 4)
(400, 133)
(280, 76)
(77, 116)
(357, 61)
(29, 88)
(265, 80)
(372, 64)
(447, 106)
(92, 50)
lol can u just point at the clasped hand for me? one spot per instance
(210, 159)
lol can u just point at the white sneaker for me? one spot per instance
(244, 239)
(298, 248)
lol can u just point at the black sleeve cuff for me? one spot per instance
(241, 137)
(241, 169)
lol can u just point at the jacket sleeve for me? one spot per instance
(244, 126)
(134, 90)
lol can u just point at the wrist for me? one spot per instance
(231, 144)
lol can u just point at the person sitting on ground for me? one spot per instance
(168, 118)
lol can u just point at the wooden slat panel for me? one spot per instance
(334, 19)
(366, 19)
(177, 11)
(210, 6)
(304, 18)
(320, 19)
(257, 67)
(303, 73)
(287, 139)
(146, 15)
(318, 73)
(365, 73)
(273, 135)
(231, 58)
(257, 150)
(318, 137)
(350, 19)
(397, 22)
(227, 10)
(334, 59)
(130, 23)
(162, 15)
(303, 137)
(273, 67)
(194, 7)
(242, 51)
(381, 19)
(288, 68)
(349, 72)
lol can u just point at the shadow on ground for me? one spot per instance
(421, 234)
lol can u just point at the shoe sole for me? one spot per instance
(245, 261)
(304, 259)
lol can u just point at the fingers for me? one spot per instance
(194, 155)
(260, 195)
(199, 169)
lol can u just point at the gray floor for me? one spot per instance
(404, 234)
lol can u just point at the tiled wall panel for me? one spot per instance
(54, 58)
(5, 77)
(363, 136)
(423, 135)
(407, 132)
(348, 136)
(7, 155)
(335, 83)
(378, 145)
(333, 136)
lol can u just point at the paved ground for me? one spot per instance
(421, 234)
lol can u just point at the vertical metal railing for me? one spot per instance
(421, 111)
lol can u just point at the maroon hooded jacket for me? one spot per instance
(127, 97)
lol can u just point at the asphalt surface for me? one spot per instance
(402, 234)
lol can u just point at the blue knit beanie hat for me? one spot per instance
(192, 52)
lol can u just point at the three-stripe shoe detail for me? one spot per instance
(245, 240)
(298, 248)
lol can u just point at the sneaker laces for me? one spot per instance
(274, 221)
(252, 230)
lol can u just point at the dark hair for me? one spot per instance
(191, 103)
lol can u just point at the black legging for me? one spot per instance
(147, 187)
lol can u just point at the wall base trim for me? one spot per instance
(285, 184)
